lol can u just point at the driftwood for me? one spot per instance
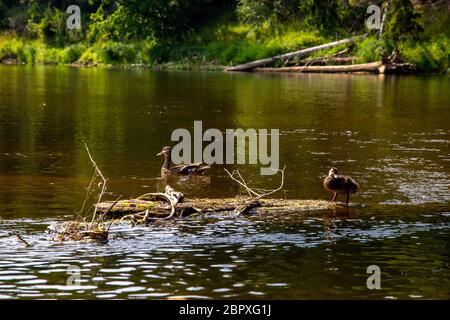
(252, 192)
(365, 67)
(79, 231)
(258, 63)
(157, 206)
(171, 196)
(333, 57)
(82, 229)
(98, 172)
(389, 64)
(25, 243)
(135, 209)
(163, 206)
(326, 60)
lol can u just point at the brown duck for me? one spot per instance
(339, 184)
(182, 169)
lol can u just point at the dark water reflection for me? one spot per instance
(391, 133)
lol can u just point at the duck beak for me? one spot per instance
(158, 154)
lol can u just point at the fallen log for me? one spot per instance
(365, 67)
(326, 60)
(155, 206)
(311, 61)
(258, 63)
(137, 209)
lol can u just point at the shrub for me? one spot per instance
(429, 56)
(370, 49)
(116, 52)
(71, 53)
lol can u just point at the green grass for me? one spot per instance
(220, 45)
(428, 56)
(368, 50)
(431, 55)
(25, 51)
(225, 44)
(236, 43)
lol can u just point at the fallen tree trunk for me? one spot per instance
(331, 57)
(140, 211)
(365, 67)
(290, 55)
(155, 206)
(326, 60)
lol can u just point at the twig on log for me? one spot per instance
(107, 211)
(171, 196)
(147, 213)
(102, 192)
(323, 59)
(88, 191)
(253, 191)
(326, 61)
(19, 237)
(110, 208)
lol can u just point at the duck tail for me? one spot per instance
(354, 186)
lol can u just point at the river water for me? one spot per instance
(392, 134)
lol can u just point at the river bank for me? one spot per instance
(236, 46)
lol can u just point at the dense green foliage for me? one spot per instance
(214, 32)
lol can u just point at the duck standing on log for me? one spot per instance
(339, 184)
(182, 169)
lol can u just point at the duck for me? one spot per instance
(340, 184)
(182, 169)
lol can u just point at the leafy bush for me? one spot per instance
(402, 21)
(256, 12)
(12, 48)
(71, 53)
(370, 49)
(430, 56)
(90, 56)
(119, 53)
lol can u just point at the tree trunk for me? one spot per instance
(326, 60)
(157, 209)
(385, 10)
(365, 67)
(290, 55)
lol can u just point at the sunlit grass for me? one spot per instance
(220, 45)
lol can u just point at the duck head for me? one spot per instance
(165, 151)
(333, 172)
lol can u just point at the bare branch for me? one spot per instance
(255, 192)
(241, 181)
(281, 184)
(19, 237)
(171, 196)
(102, 192)
(110, 208)
(88, 191)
